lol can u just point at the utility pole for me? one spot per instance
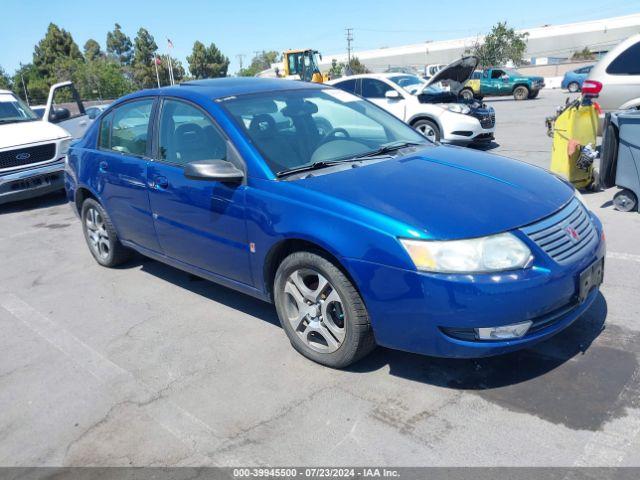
(349, 41)
(240, 56)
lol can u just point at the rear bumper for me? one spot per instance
(32, 182)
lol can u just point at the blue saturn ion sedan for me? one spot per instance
(360, 230)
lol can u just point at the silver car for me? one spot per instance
(616, 77)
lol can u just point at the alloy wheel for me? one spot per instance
(314, 310)
(97, 233)
(428, 131)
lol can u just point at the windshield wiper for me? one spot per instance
(324, 164)
(388, 148)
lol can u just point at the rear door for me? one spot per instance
(65, 109)
(121, 161)
(200, 223)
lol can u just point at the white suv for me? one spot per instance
(438, 114)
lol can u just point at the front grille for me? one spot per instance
(486, 117)
(25, 156)
(566, 235)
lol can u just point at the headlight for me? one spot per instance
(64, 146)
(487, 254)
(579, 196)
(458, 108)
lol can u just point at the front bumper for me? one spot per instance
(411, 310)
(32, 182)
(458, 128)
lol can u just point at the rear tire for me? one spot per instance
(321, 311)
(101, 236)
(573, 87)
(521, 93)
(625, 201)
(427, 128)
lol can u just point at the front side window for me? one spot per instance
(187, 134)
(410, 83)
(125, 129)
(627, 63)
(374, 88)
(295, 128)
(13, 109)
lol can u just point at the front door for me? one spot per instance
(200, 223)
(375, 90)
(65, 109)
(121, 160)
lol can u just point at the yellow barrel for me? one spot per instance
(576, 127)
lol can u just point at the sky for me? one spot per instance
(242, 27)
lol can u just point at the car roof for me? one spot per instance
(231, 86)
(5, 91)
(372, 75)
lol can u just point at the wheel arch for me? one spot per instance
(425, 116)
(521, 84)
(81, 194)
(279, 251)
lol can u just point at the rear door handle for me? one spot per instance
(159, 183)
(103, 166)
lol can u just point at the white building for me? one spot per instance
(543, 43)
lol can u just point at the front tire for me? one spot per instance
(321, 311)
(101, 237)
(428, 128)
(521, 93)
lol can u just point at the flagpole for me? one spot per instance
(170, 46)
(155, 63)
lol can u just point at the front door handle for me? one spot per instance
(159, 182)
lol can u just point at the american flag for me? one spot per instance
(170, 43)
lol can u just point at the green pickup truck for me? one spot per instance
(500, 82)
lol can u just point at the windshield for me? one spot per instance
(12, 109)
(410, 83)
(295, 128)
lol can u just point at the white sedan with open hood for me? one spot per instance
(439, 114)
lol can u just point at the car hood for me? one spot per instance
(449, 192)
(23, 133)
(456, 73)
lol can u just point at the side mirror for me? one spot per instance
(58, 114)
(505, 77)
(392, 95)
(213, 170)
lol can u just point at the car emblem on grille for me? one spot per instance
(573, 234)
(23, 156)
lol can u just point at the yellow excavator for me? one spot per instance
(298, 65)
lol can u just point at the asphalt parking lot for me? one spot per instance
(146, 365)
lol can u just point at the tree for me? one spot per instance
(500, 46)
(163, 70)
(92, 50)
(207, 62)
(336, 69)
(5, 81)
(584, 54)
(102, 78)
(261, 61)
(144, 51)
(37, 86)
(119, 45)
(56, 51)
(357, 67)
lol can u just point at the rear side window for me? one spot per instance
(126, 128)
(347, 85)
(627, 63)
